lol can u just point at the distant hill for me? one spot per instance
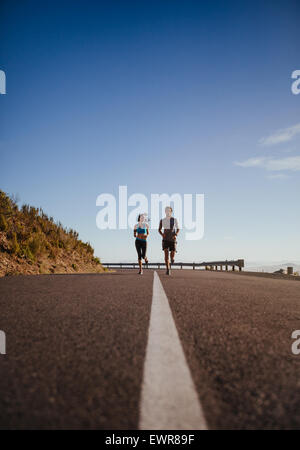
(32, 243)
(271, 267)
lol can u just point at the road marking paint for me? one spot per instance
(168, 400)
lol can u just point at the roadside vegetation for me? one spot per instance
(32, 242)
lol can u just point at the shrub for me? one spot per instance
(35, 244)
(96, 260)
(20, 231)
(26, 252)
(52, 253)
(61, 244)
(3, 223)
(6, 205)
(15, 247)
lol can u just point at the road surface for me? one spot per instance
(197, 350)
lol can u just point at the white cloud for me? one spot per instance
(252, 162)
(290, 163)
(277, 176)
(271, 164)
(283, 135)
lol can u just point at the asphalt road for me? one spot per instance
(76, 347)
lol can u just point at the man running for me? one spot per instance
(170, 226)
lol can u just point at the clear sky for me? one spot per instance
(161, 96)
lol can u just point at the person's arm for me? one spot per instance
(147, 226)
(160, 228)
(134, 231)
(177, 229)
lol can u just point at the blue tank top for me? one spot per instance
(140, 230)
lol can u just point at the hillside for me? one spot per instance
(32, 243)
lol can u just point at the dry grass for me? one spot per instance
(31, 242)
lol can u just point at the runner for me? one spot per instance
(141, 232)
(171, 230)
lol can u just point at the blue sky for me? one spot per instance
(161, 96)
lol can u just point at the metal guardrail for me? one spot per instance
(212, 265)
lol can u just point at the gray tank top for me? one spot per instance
(169, 229)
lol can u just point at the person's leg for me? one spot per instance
(166, 250)
(172, 256)
(144, 251)
(139, 252)
(173, 251)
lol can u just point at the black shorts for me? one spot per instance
(141, 248)
(169, 245)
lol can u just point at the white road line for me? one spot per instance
(169, 400)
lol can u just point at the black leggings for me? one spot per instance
(141, 247)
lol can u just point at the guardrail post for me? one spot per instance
(233, 268)
(226, 267)
(193, 266)
(241, 262)
(181, 266)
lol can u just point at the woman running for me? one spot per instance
(141, 232)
